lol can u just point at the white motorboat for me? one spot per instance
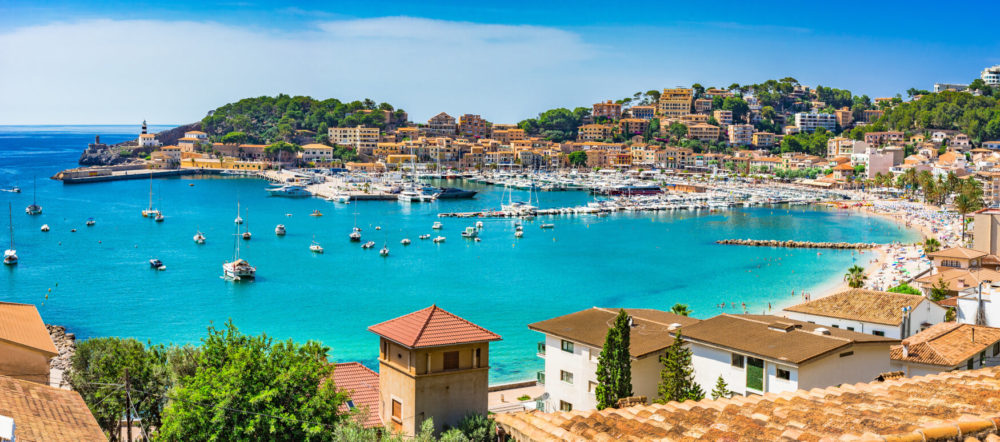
(439, 239)
(405, 241)
(479, 224)
(290, 190)
(315, 247)
(518, 234)
(378, 227)
(10, 255)
(279, 230)
(437, 225)
(355, 235)
(425, 236)
(384, 251)
(470, 232)
(159, 217)
(45, 227)
(199, 238)
(246, 235)
(548, 226)
(368, 245)
(90, 222)
(155, 263)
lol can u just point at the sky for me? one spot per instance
(117, 62)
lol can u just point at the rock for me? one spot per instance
(66, 346)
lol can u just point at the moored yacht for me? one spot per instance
(384, 251)
(238, 269)
(368, 245)
(199, 238)
(90, 221)
(34, 208)
(454, 193)
(279, 230)
(470, 232)
(315, 247)
(10, 255)
(437, 225)
(405, 241)
(289, 190)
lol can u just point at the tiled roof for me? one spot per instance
(861, 305)
(960, 279)
(432, 327)
(776, 338)
(957, 252)
(21, 324)
(590, 327)
(947, 344)
(947, 406)
(43, 413)
(361, 385)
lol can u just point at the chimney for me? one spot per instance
(7, 428)
(906, 348)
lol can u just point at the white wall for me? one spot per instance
(579, 363)
(710, 362)
(867, 362)
(926, 311)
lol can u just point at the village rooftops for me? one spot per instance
(861, 305)
(959, 279)
(947, 406)
(651, 330)
(361, 385)
(957, 252)
(774, 337)
(947, 344)
(23, 326)
(43, 413)
(432, 327)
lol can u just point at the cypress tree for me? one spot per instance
(721, 389)
(677, 375)
(614, 365)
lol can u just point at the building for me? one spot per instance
(362, 139)
(432, 364)
(957, 258)
(702, 105)
(197, 135)
(675, 102)
(893, 315)
(316, 153)
(740, 134)
(362, 386)
(763, 139)
(723, 117)
(941, 87)
(991, 76)
(573, 343)
(25, 345)
(472, 126)
(34, 412)
(810, 121)
(505, 136)
(957, 405)
(703, 132)
(644, 112)
(947, 346)
(986, 223)
(881, 138)
(594, 132)
(758, 354)
(844, 116)
(633, 126)
(608, 109)
(441, 125)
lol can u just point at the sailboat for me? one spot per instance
(385, 250)
(199, 238)
(356, 232)
(10, 255)
(149, 211)
(34, 208)
(238, 268)
(238, 220)
(246, 235)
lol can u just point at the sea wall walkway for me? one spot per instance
(797, 244)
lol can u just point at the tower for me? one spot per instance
(432, 364)
(144, 127)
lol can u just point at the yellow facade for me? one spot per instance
(676, 102)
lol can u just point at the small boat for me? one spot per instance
(199, 238)
(45, 227)
(72, 230)
(159, 217)
(10, 255)
(247, 235)
(90, 221)
(470, 232)
(291, 191)
(518, 234)
(238, 269)
(384, 251)
(548, 226)
(355, 235)
(238, 220)
(149, 211)
(378, 227)
(279, 230)
(155, 263)
(478, 239)
(426, 236)
(439, 239)
(437, 225)
(454, 193)
(315, 247)
(316, 213)
(479, 224)
(190, 184)
(34, 208)
(405, 241)
(518, 227)
(368, 245)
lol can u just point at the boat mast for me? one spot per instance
(10, 215)
(34, 191)
(150, 208)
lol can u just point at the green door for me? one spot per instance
(755, 374)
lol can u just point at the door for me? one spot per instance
(755, 374)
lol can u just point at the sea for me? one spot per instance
(97, 280)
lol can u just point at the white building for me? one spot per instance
(810, 121)
(757, 354)
(196, 134)
(893, 315)
(573, 343)
(947, 346)
(740, 134)
(991, 75)
(148, 140)
(312, 153)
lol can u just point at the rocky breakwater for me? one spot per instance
(798, 244)
(59, 366)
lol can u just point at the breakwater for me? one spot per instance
(797, 244)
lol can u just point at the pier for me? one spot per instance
(797, 244)
(98, 175)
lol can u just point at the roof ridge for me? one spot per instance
(423, 328)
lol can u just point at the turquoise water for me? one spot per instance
(101, 283)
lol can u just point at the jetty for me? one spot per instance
(119, 173)
(797, 244)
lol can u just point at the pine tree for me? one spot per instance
(614, 366)
(721, 389)
(677, 376)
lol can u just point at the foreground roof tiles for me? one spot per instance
(651, 332)
(22, 325)
(43, 413)
(948, 406)
(957, 252)
(361, 385)
(947, 344)
(432, 327)
(861, 305)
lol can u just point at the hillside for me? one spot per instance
(977, 117)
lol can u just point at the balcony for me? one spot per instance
(541, 350)
(541, 377)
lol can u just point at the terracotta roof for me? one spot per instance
(861, 305)
(844, 166)
(21, 324)
(776, 338)
(590, 327)
(960, 279)
(957, 252)
(432, 327)
(43, 413)
(947, 344)
(195, 132)
(361, 385)
(947, 406)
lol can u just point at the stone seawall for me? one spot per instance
(59, 366)
(797, 244)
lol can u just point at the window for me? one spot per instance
(835, 326)
(565, 406)
(591, 387)
(878, 332)
(982, 358)
(540, 405)
(397, 415)
(968, 364)
(996, 349)
(479, 358)
(737, 361)
(541, 377)
(846, 354)
(566, 376)
(541, 348)
(850, 328)
(451, 360)
(784, 374)
(350, 404)
(567, 346)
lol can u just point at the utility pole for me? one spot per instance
(128, 408)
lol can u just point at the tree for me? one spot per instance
(678, 130)
(577, 159)
(677, 375)
(251, 387)
(614, 365)
(234, 138)
(855, 276)
(739, 108)
(680, 309)
(721, 389)
(939, 290)
(905, 289)
(477, 427)
(98, 373)
(932, 245)
(281, 150)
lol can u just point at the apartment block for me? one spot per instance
(676, 102)
(703, 105)
(594, 132)
(633, 126)
(644, 112)
(472, 126)
(362, 139)
(505, 136)
(763, 139)
(723, 117)
(703, 132)
(880, 138)
(442, 125)
(740, 134)
(607, 109)
(810, 121)
(844, 117)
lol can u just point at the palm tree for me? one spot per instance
(963, 205)
(855, 276)
(680, 309)
(931, 245)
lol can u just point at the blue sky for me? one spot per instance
(169, 62)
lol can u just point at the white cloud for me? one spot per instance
(121, 71)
